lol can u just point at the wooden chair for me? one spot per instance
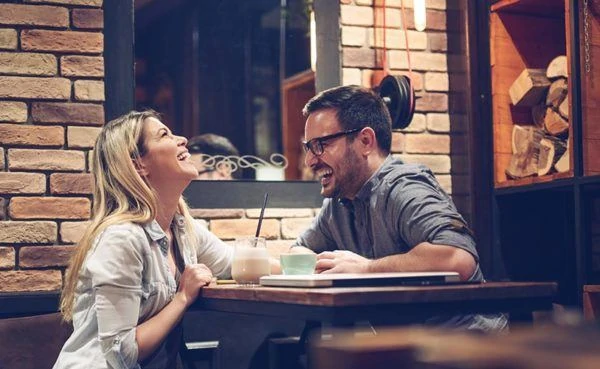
(32, 342)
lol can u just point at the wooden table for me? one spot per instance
(343, 306)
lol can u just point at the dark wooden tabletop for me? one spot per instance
(353, 296)
(350, 304)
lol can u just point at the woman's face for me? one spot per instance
(166, 161)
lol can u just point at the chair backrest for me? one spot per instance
(32, 342)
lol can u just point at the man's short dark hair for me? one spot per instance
(356, 107)
(211, 144)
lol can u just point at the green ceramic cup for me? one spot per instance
(294, 264)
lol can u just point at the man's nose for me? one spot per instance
(310, 159)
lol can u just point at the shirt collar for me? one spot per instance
(365, 191)
(156, 233)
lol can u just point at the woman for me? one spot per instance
(143, 259)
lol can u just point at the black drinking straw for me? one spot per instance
(262, 213)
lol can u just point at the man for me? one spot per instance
(379, 214)
(210, 154)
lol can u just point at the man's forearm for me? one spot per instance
(427, 257)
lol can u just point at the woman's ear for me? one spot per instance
(140, 167)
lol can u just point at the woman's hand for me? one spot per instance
(194, 277)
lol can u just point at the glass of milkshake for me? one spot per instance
(250, 260)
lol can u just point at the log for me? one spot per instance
(554, 124)
(526, 150)
(557, 92)
(529, 88)
(563, 108)
(551, 149)
(557, 68)
(564, 163)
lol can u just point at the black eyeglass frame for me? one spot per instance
(315, 145)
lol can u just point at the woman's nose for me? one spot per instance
(182, 141)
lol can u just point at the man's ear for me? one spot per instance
(140, 167)
(368, 140)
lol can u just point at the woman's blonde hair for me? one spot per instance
(120, 193)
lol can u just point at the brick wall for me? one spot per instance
(436, 137)
(51, 107)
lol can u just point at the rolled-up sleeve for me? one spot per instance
(116, 267)
(214, 253)
(426, 214)
(317, 237)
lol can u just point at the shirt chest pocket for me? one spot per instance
(155, 295)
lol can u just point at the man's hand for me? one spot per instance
(341, 261)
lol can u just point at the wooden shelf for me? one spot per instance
(523, 34)
(544, 8)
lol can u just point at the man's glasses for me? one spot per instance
(316, 144)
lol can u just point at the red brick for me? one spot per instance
(82, 66)
(429, 61)
(438, 122)
(49, 208)
(44, 256)
(395, 39)
(7, 257)
(96, 3)
(398, 142)
(71, 232)
(89, 90)
(71, 183)
(437, 163)
(34, 15)
(217, 213)
(438, 42)
(27, 232)
(393, 17)
(35, 88)
(449, 20)
(437, 82)
(8, 39)
(28, 64)
(88, 18)
(354, 36)
(427, 144)
(22, 183)
(62, 41)
(30, 280)
(82, 137)
(280, 213)
(354, 57)
(74, 113)
(29, 135)
(351, 76)
(293, 227)
(13, 111)
(356, 15)
(436, 102)
(234, 228)
(56, 160)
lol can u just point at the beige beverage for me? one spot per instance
(250, 261)
(249, 270)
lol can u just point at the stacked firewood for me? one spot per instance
(541, 148)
